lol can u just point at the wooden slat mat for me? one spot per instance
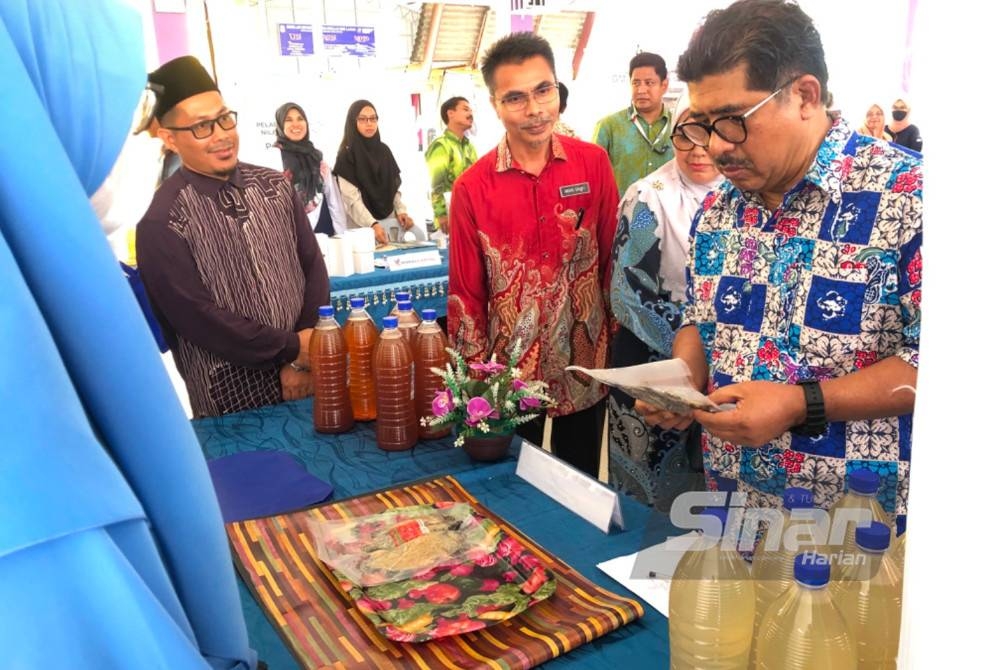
(324, 630)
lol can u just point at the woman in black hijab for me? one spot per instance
(369, 177)
(304, 166)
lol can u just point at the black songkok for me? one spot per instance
(178, 80)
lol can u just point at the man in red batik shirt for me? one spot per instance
(532, 225)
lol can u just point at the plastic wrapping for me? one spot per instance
(401, 543)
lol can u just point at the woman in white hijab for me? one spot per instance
(647, 296)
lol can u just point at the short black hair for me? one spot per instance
(450, 104)
(648, 59)
(514, 48)
(775, 39)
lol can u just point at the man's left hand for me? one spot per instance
(295, 385)
(405, 221)
(764, 410)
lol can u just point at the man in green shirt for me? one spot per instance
(449, 155)
(637, 138)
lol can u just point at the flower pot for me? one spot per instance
(487, 448)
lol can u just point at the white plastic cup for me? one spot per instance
(364, 261)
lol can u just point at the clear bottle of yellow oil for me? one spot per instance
(803, 629)
(871, 599)
(711, 609)
(774, 556)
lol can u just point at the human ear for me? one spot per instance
(809, 91)
(168, 139)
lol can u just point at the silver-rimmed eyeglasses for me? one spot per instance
(545, 93)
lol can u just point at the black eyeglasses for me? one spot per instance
(544, 94)
(732, 129)
(680, 140)
(368, 119)
(204, 129)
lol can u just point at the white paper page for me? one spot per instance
(661, 559)
(664, 384)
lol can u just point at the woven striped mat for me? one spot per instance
(325, 631)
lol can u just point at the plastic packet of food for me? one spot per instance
(404, 542)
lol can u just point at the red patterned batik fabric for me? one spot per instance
(530, 259)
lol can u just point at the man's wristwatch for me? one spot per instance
(815, 423)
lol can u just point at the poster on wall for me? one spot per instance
(349, 41)
(295, 39)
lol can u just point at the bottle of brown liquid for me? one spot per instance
(396, 423)
(408, 321)
(400, 297)
(429, 352)
(361, 335)
(328, 355)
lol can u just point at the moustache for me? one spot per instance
(536, 121)
(222, 147)
(729, 161)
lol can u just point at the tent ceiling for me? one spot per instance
(455, 35)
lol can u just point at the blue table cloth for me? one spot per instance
(354, 465)
(428, 287)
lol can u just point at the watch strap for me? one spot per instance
(815, 423)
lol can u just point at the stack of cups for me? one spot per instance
(340, 256)
(363, 248)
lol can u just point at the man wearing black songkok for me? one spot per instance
(227, 256)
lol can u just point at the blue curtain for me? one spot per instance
(112, 549)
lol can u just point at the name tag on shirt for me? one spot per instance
(574, 189)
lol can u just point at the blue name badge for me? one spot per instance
(574, 189)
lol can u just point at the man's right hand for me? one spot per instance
(381, 237)
(442, 222)
(661, 418)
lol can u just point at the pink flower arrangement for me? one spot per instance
(493, 401)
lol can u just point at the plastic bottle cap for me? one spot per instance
(357, 303)
(428, 314)
(863, 481)
(402, 295)
(404, 305)
(390, 322)
(874, 537)
(812, 569)
(797, 497)
(720, 513)
(325, 311)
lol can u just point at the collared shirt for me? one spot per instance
(634, 153)
(447, 157)
(232, 270)
(530, 259)
(827, 284)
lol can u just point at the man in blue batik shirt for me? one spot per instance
(804, 278)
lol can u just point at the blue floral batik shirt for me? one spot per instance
(827, 284)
